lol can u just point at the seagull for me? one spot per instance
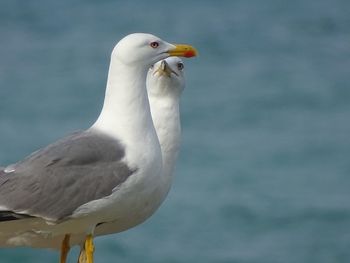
(111, 172)
(165, 84)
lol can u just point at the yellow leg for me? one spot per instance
(65, 249)
(89, 249)
(82, 255)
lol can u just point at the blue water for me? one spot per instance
(264, 171)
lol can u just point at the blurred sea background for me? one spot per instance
(264, 170)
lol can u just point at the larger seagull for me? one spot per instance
(110, 172)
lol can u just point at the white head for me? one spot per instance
(166, 77)
(126, 92)
(146, 49)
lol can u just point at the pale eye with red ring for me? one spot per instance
(154, 44)
(180, 66)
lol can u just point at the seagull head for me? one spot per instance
(146, 49)
(166, 77)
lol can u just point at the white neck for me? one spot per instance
(166, 119)
(126, 113)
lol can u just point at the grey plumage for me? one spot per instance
(54, 181)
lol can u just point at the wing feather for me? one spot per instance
(53, 182)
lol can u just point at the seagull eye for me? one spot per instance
(154, 44)
(180, 66)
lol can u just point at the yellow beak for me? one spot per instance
(182, 50)
(164, 69)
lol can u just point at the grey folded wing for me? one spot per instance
(53, 182)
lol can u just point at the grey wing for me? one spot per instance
(54, 181)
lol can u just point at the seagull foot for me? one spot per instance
(89, 249)
(82, 255)
(65, 249)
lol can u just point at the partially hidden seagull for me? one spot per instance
(111, 172)
(165, 84)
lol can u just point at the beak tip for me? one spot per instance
(191, 53)
(163, 64)
(183, 50)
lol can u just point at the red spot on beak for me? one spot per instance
(190, 53)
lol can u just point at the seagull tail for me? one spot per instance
(10, 216)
